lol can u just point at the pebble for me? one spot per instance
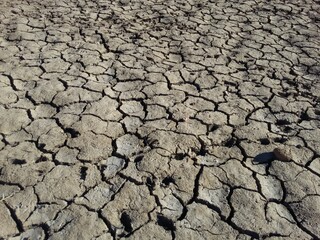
(282, 154)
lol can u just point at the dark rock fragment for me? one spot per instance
(282, 154)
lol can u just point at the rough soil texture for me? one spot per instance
(157, 119)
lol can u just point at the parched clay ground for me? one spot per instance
(156, 119)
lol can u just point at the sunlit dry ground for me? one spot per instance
(157, 119)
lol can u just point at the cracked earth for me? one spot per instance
(158, 119)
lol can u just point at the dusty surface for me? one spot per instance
(158, 119)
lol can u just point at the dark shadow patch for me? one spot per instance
(264, 141)
(202, 151)
(167, 180)
(287, 129)
(230, 143)
(230, 83)
(41, 146)
(282, 122)
(179, 156)
(213, 127)
(265, 157)
(152, 143)
(40, 173)
(150, 183)
(292, 72)
(306, 86)
(19, 162)
(83, 173)
(166, 223)
(304, 117)
(138, 159)
(46, 230)
(292, 83)
(284, 94)
(126, 222)
(42, 159)
(280, 140)
(72, 132)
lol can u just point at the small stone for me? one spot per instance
(282, 154)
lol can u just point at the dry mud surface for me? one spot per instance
(157, 119)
